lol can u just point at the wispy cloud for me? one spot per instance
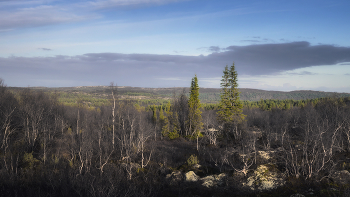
(301, 73)
(212, 49)
(250, 41)
(41, 15)
(103, 4)
(45, 49)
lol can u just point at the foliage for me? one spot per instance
(230, 106)
(29, 160)
(171, 128)
(194, 117)
(192, 160)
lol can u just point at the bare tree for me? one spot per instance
(211, 129)
(115, 98)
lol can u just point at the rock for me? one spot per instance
(266, 155)
(341, 177)
(208, 181)
(213, 180)
(196, 166)
(265, 177)
(174, 177)
(191, 176)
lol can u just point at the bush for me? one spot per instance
(192, 160)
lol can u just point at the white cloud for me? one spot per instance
(101, 4)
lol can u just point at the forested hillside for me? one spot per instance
(122, 147)
(100, 94)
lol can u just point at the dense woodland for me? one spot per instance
(126, 148)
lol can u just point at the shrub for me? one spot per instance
(192, 160)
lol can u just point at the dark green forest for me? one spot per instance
(112, 141)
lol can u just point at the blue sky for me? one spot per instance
(276, 45)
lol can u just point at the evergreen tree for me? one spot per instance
(174, 132)
(155, 120)
(161, 115)
(195, 123)
(171, 126)
(154, 117)
(230, 106)
(166, 127)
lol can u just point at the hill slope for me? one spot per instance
(207, 95)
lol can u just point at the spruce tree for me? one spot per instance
(154, 117)
(230, 106)
(195, 123)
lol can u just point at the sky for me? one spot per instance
(279, 45)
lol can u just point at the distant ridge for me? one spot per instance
(207, 95)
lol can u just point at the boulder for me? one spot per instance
(265, 177)
(213, 180)
(266, 155)
(191, 176)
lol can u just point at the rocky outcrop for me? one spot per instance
(265, 177)
(213, 180)
(266, 155)
(191, 176)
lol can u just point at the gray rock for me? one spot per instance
(213, 180)
(196, 166)
(191, 176)
(265, 177)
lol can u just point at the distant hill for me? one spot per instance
(207, 95)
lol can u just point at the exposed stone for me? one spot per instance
(341, 177)
(196, 166)
(213, 180)
(191, 176)
(265, 177)
(265, 154)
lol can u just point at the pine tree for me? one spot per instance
(195, 123)
(230, 106)
(175, 126)
(166, 127)
(155, 120)
(171, 123)
(154, 117)
(161, 115)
